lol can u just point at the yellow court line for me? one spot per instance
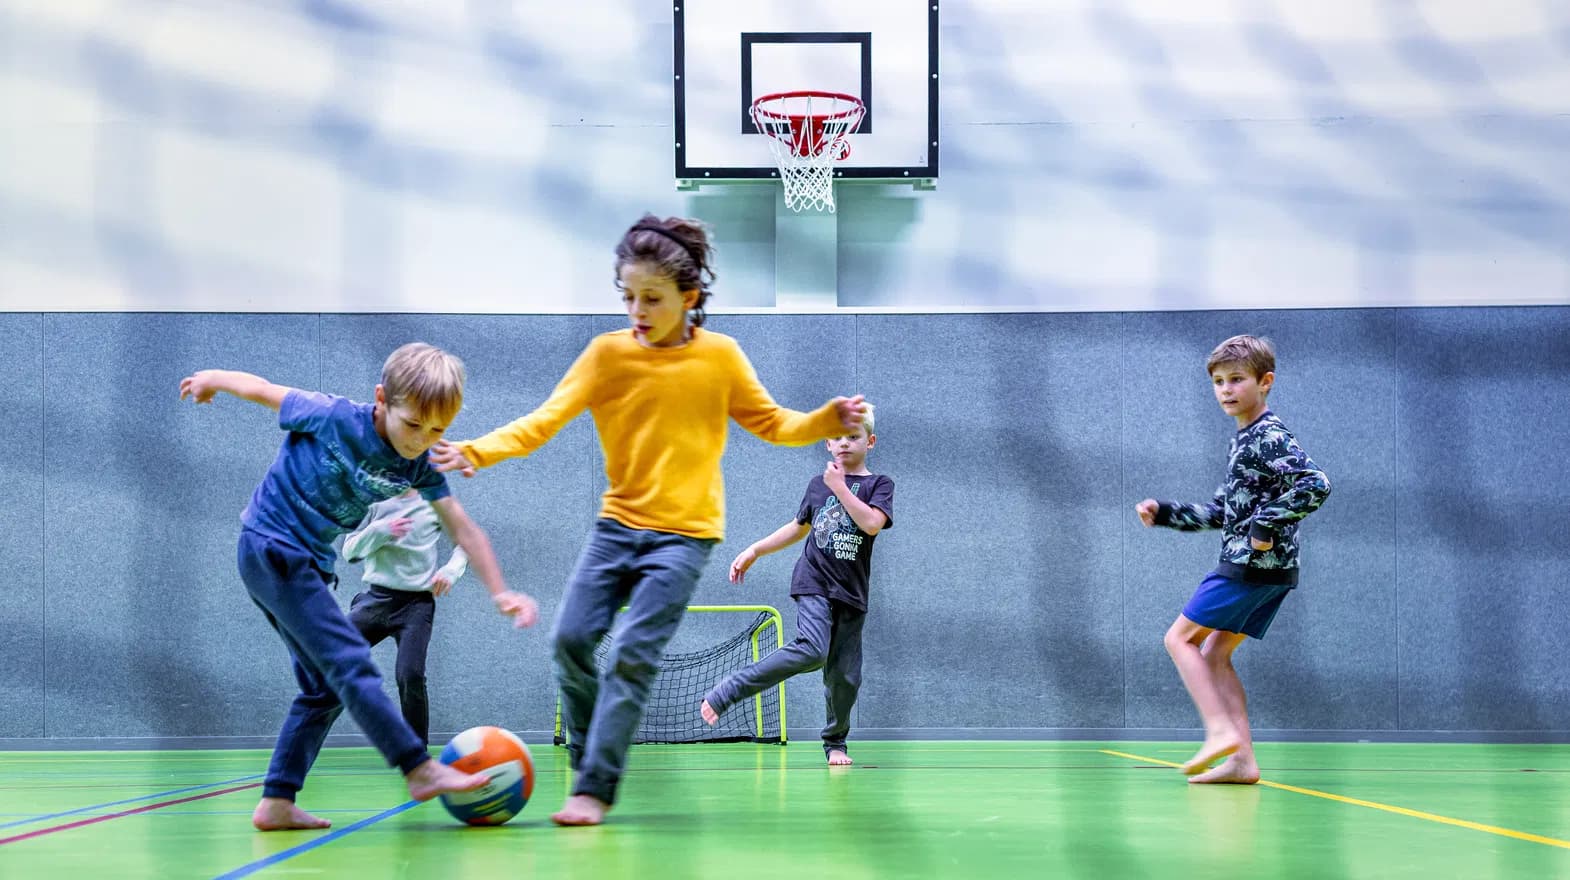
(903, 750)
(1375, 805)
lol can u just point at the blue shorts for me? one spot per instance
(1234, 606)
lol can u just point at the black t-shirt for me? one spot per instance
(836, 559)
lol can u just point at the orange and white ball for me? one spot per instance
(501, 756)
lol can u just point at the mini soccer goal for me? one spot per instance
(684, 678)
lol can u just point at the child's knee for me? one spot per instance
(1183, 635)
(808, 655)
(324, 702)
(573, 643)
(635, 669)
(352, 667)
(1216, 658)
(845, 679)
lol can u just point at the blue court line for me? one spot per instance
(275, 858)
(131, 800)
(314, 811)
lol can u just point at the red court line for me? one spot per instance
(96, 819)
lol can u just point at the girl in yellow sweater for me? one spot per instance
(662, 393)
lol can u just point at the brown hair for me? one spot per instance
(1253, 352)
(426, 379)
(679, 248)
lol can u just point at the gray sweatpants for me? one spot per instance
(654, 575)
(828, 636)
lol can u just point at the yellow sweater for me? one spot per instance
(662, 415)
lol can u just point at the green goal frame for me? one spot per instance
(774, 620)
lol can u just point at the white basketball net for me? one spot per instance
(807, 136)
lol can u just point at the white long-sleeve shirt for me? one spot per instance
(407, 563)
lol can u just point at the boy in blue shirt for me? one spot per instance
(338, 459)
(1271, 485)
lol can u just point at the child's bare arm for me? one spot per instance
(868, 518)
(202, 385)
(779, 539)
(520, 606)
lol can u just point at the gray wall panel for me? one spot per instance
(22, 661)
(994, 607)
(1017, 589)
(150, 631)
(1482, 413)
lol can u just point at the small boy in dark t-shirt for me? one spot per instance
(844, 509)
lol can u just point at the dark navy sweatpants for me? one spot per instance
(332, 664)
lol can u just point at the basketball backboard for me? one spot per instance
(730, 52)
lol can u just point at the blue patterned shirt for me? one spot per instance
(1271, 485)
(332, 467)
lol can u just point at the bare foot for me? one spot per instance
(1232, 772)
(433, 778)
(581, 809)
(1213, 749)
(837, 757)
(708, 713)
(277, 814)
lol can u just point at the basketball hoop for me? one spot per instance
(807, 134)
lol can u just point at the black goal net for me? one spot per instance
(671, 715)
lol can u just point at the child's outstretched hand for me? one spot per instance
(200, 386)
(447, 457)
(1147, 511)
(742, 562)
(520, 606)
(852, 410)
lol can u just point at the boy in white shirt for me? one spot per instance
(397, 543)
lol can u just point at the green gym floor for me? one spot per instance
(749, 812)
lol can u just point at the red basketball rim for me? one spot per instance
(795, 119)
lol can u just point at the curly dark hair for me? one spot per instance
(679, 248)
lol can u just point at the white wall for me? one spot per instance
(427, 157)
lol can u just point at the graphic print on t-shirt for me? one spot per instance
(345, 500)
(834, 531)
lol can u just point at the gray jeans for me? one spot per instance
(654, 575)
(828, 636)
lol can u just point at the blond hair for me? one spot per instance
(1255, 353)
(867, 420)
(425, 379)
